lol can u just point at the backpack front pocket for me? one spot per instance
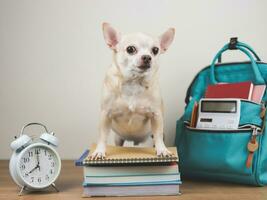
(215, 151)
(222, 154)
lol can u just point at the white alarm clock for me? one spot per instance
(35, 166)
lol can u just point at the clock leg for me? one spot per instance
(21, 190)
(54, 186)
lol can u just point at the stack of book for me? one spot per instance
(130, 171)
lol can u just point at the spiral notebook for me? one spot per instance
(134, 155)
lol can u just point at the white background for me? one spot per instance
(53, 58)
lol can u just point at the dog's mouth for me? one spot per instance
(143, 68)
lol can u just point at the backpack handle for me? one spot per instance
(248, 48)
(258, 79)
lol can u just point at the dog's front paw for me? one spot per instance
(163, 152)
(98, 154)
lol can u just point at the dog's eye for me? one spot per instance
(155, 50)
(131, 50)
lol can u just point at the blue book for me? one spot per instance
(173, 182)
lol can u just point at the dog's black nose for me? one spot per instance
(146, 59)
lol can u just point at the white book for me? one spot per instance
(149, 190)
(136, 179)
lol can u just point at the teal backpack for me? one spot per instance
(223, 155)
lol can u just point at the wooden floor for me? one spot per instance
(70, 187)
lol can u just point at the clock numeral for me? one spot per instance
(37, 151)
(47, 177)
(32, 179)
(26, 175)
(51, 171)
(49, 157)
(30, 154)
(25, 160)
(39, 180)
(52, 164)
(22, 167)
(45, 152)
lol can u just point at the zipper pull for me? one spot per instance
(252, 146)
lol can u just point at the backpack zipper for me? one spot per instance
(242, 128)
(252, 145)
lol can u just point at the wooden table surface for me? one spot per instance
(70, 181)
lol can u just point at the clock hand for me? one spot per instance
(38, 162)
(32, 169)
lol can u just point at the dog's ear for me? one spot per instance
(166, 39)
(111, 36)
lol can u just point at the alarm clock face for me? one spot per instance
(39, 166)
